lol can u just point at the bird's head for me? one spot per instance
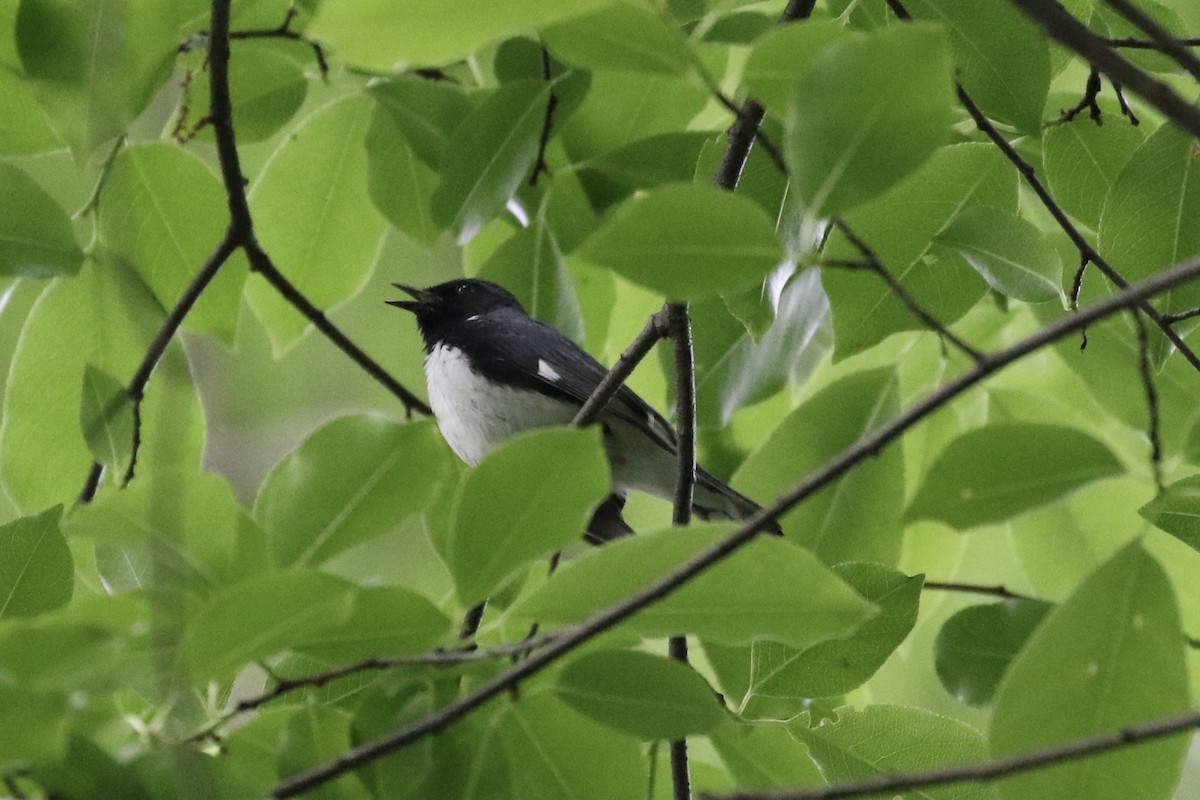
(441, 307)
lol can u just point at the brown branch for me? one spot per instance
(872, 262)
(1132, 43)
(1087, 253)
(539, 164)
(996, 590)
(1181, 316)
(284, 31)
(1163, 38)
(1146, 371)
(869, 445)
(986, 771)
(639, 348)
(1070, 32)
(752, 110)
(440, 659)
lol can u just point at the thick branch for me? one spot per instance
(991, 770)
(866, 447)
(1065, 29)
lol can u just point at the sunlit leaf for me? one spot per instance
(35, 235)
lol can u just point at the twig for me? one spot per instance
(751, 109)
(1065, 29)
(539, 164)
(284, 31)
(642, 344)
(1087, 253)
(873, 263)
(1166, 41)
(1181, 316)
(867, 446)
(1090, 92)
(1133, 43)
(987, 770)
(996, 590)
(439, 658)
(1146, 370)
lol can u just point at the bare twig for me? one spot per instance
(539, 164)
(284, 31)
(440, 658)
(751, 109)
(988, 770)
(1132, 43)
(1146, 371)
(1065, 29)
(1163, 38)
(867, 446)
(1181, 316)
(872, 262)
(638, 349)
(995, 590)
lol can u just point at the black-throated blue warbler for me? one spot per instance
(493, 371)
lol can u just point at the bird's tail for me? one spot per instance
(715, 500)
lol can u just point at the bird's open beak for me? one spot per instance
(420, 297)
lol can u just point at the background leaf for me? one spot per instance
(35, 234)
(977, 644)
(36, 572)
(107, 419)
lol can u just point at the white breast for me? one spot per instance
(474, 414)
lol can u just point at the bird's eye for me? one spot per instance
(462, 288)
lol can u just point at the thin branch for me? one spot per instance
(869, 445)
(986, 771)
(750, 109)
(281, 31)
(166, 332)
(1146, 371)
(1088, 254)
(439, 659)
(261, 263)
(539, 164)
(639, 348)
(1172, 319)
(995, 590)
(1132, 43)
(1091, 91)
(872, 262)
(1166, 41)
(1065, 29)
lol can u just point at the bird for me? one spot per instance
(493, 371)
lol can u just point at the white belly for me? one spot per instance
(474, 415)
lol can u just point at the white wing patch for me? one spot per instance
(548, 372)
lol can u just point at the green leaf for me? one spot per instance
(990, 474)
(900, 227)
(554, 752)
(640, 694)
(260, 618)
(620, 38)
(783, 53)
(867, 112)
(166, 234)
(976, 645)
(1082, 161)
(494, 148)
(687, 242)
(314, 735)
(885, 740)
(95, 64)
(35, 234)
(530, 266)
(106, 417)
(762, 757)
(1109, 657)
(313, 215)
(837, 666)
(1013, 256)
(386, 621)
(371, 34)
(353, 479)
(1152, 217)
(425, 112)
(266, 86)
(401, 185)
(36, 574)
(23, 128)
(655, 160)
(33, 727)
(1176, 510)
(1000, 56)
(752, 594)
(855, 518)
(527, 499)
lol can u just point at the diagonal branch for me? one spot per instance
(866, 447)
(1088, 254)
(1162, 38)
(1065, 29)
(989, 770)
